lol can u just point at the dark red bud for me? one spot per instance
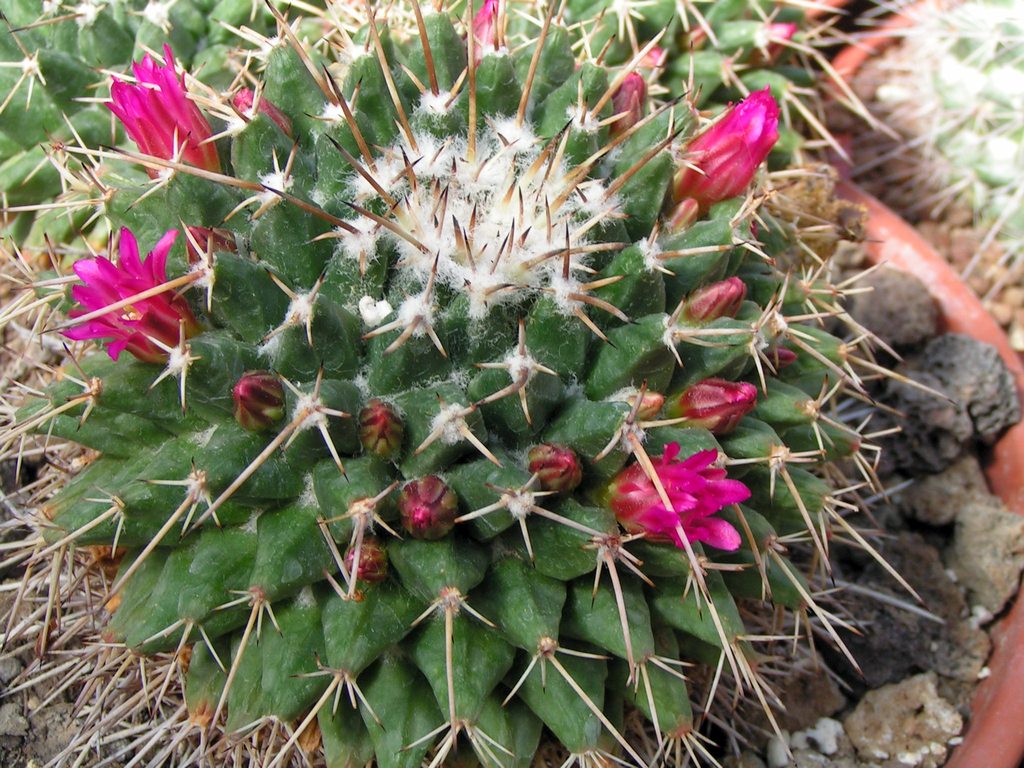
(373, 561)
(628, 101)
(781, 357)
(557, 467)
(717, 405)
(205, 240)
(428, 508)
(721, 299)
(380, 429)
(259, 400)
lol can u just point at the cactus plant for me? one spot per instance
(446, 406)
(54, 56)
(954, 94)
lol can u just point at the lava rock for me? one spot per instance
(899, 310)
(934, 430)
(975, 374)
(906, 724)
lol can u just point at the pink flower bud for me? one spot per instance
(721, 299)
(717, 405)
(428, 508)
(628, 101)
(380, 429)
(557, 467)
(485, 29)
(654, 58)
(729, 153)
(683, 215)
(259, 400)
(373, 561)
(243, 102)
(650, 405)
(160, 118)
(696, 490)
(777, 35)
(138, 325)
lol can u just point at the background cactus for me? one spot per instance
(409, 428)
(953, 90)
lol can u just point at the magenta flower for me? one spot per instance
(697, 491)
(160, 118)
(137, 326)
(729, 152)
(485, 29)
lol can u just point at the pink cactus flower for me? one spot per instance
(485, 29)
(160, 118)
(697, 491)
(137, 326)
(628, 101)
(729, 153)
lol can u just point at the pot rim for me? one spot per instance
(890, 31)
(995, 736)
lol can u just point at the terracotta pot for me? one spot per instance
(852, 58)
(995, 732)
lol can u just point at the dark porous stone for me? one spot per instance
(934, 429)
(974, 373)
(899, 310)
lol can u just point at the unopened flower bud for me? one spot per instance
(628, 101)
(721, 299)
(373, 561)
(775, 36)
(380, 429)
(206, 240)
(781, 357)
(243, 102)
(723, 159)
(428, 508)
(682, 216)
(650, 405)
(485, 29)
(717, 405)
(259, 400)
(557, 467)
(656, 57)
